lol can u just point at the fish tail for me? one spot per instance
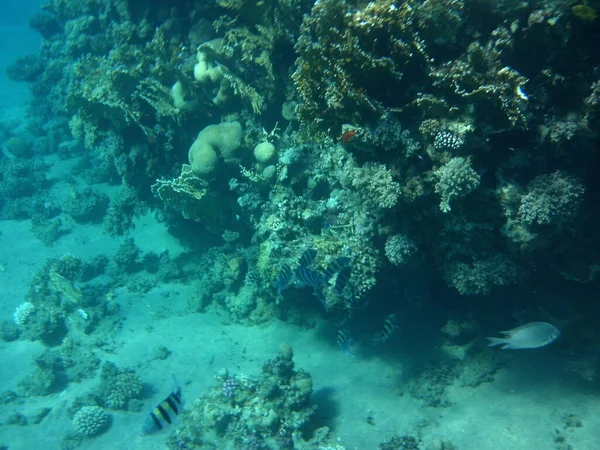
(496, 341)
(176, 386)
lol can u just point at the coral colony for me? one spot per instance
(360, 168)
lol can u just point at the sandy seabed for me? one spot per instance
(523, 408)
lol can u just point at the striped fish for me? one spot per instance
(336, 265)
(342, 279)
(165, 412)
(310, 277)
(285, 276)
(344, 342)
(315, 280)
(389, 326)
(308, 257)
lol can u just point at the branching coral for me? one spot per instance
(455, 180)
(399, 249)
(551, 199)
(375, 184)
(340, 71)
(479, 277)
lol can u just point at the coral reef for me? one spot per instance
(270, 411)
(456, 179)
(442, 142)
(429, 100)
(91, 421)
(119, 388)
(552, 199)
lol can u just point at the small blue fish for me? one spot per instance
(165, 412)
(344, 342)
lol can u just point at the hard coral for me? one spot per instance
(455, 179)
(91, 421)
(339, 72)
(552, 199)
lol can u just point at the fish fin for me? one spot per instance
(496, 341)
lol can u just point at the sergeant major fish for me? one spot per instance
(165, 412)
(337, 265)
(285, 276)
(342, 279)
(344, 341)
(308, 257)
(389, 326)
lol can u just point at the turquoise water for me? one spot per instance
(293, 225)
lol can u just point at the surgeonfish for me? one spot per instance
(165, 412)
(344, 342)
(530, 335)
(389, 326)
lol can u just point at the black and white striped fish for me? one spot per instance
(165, 412)
(336, 266)
(389, 326)
(284, 279)
(309, 277)
(344, 341)
(342, 279)
(308, 257)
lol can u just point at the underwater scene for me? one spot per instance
(300, 224)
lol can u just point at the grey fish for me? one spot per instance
(165, 412)
(530, 335)
(285, 276)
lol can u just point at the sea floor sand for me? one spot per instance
(523, 408)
